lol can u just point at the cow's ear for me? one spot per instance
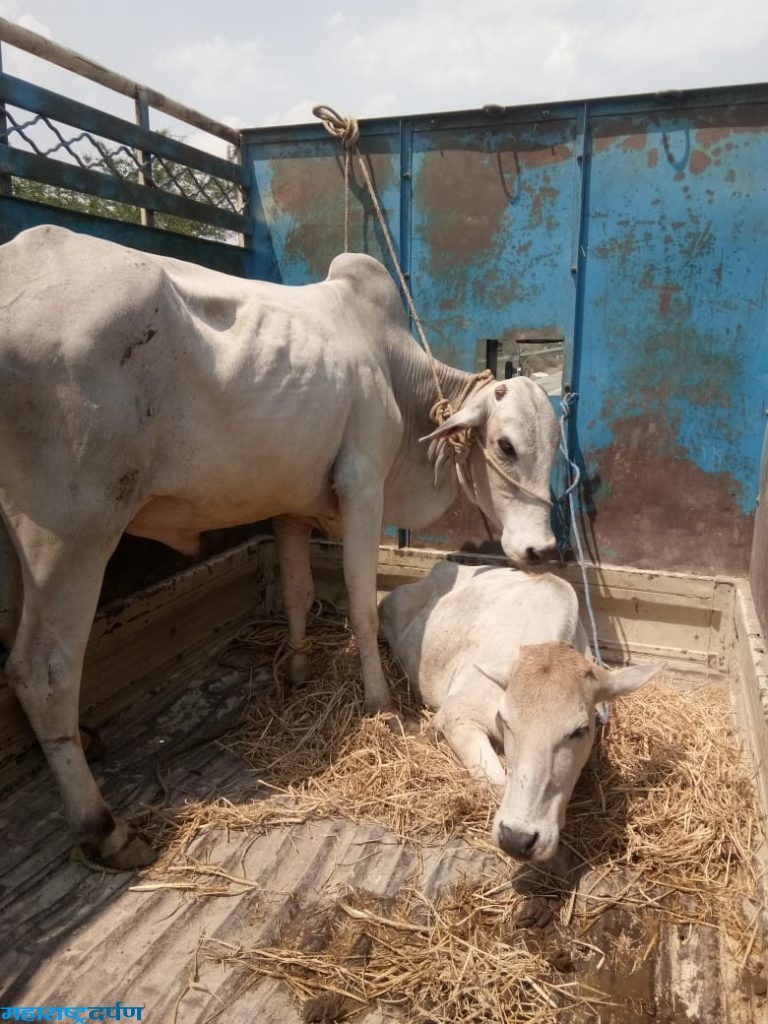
(472, 415)
(613, 683)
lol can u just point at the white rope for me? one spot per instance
(347, 131)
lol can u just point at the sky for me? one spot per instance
(252, 64)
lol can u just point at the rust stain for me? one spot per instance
(635, 141)
(464, 198)
(630, 132)
(699, 161)
(666, 291)
(653, 158)
(310, 192)
(465, 192)
(659, 508)
(680, 176)
(544, 156)
(708, 136)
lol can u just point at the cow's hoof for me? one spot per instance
(391, 718)
(297, 667)
(135, 854)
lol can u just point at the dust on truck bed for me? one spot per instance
(314, 865)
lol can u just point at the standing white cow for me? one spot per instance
(502, 657)
(145, 395)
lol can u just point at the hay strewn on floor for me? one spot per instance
(664, 817)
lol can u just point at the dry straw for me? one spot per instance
(663, 827)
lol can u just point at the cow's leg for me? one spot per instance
(470, 743)
(298, 591)
(61, 582)
(362, 510)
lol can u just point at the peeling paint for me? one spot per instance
(699, 161)
(655, 506)
(665, 288)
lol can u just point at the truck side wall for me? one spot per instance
(636, 230)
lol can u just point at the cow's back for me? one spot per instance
(220, 400)
(458, 616)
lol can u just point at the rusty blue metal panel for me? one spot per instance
(18, 214)
(491, 227)
(673, 361)
(638, 229)
(301, 185)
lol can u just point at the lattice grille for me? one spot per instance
(92, 153)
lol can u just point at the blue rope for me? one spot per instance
(573, 475)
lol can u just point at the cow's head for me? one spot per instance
(547, 721)
(517, 431)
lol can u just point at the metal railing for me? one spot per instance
(71, 151)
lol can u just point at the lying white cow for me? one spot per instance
(501, 656)
(144, 395)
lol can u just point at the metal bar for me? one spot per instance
(6, 188)
(17, 215)
(406, 204)
(55, 172)
(247, 190)
(145, 156)
(38, 45)
(78, 115)
(492, 355)
(579, 249)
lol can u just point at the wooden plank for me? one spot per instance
(55, 172)
(683, 619)
(133, 638)
(13, 33)
(750, 671)
(137, 136)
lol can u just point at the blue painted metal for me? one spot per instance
(19, 214)
(301, 184)
(94, 153)
(638, 228)
(17, 92)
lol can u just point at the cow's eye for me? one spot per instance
(507, 448)
(578, 733)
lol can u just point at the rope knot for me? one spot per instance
(298, 646)
(345, 129)
(441, 411)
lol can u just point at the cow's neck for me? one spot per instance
(413, 497)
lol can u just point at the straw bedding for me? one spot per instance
(662, 827)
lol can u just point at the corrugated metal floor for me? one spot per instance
(69, 936)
